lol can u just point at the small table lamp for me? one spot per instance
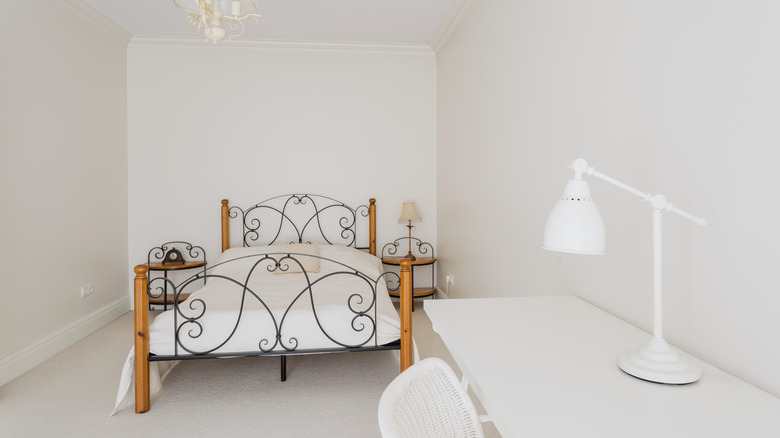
(575, 225)
(409, 214)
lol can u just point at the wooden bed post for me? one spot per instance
(372, 226)
(225, 225)
(407, 346)
(141, 339)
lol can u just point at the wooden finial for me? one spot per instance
(140, 271)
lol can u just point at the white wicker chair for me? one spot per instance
(428, 401)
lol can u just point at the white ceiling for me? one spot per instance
(358, 21)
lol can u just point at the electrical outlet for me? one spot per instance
(451, 279)
(86, 290)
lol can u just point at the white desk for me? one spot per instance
(547, 367)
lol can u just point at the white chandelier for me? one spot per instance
(209, 15)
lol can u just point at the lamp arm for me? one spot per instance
(695, 219)
(658, 202)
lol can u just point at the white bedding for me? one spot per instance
(256, 329)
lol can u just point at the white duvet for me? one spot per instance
(235, 321)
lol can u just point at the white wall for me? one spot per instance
(679, 98)
(249, 123)
(63, 181)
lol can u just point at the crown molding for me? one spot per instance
(450, 22)
(167, 41)
(92, 15)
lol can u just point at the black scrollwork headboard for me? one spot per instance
(302, 218)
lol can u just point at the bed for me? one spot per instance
(298, 283)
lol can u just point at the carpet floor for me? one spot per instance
(327, 395)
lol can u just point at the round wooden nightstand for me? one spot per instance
(418, 292)
(164, 299)
(171, 256)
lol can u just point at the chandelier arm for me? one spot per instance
(181, 8)
(233, 25)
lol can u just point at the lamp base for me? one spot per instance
(658, 362)
(410, 256)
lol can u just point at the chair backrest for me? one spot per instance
(427, 400)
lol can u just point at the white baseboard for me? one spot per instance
(18, 363)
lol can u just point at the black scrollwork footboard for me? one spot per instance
(249, 321)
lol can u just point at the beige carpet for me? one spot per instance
(332, 395)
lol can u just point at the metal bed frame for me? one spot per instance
(305, 218)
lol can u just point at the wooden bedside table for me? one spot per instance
(159, 266)
(418, 292)
(159, 255)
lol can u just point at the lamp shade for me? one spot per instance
(409, 213)
(575, 224)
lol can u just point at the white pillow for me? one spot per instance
(240, 261)
(289, 266)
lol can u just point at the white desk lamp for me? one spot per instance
(575, 226)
